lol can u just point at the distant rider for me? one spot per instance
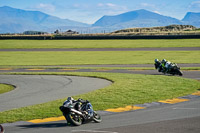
(166, 65)
(158, 65)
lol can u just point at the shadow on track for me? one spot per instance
(45, 125)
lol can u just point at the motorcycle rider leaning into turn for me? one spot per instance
(166, 65)
(78, 103)
(158, 65)
(163, 66)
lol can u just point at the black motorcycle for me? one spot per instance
(77, 113)
(173, 69)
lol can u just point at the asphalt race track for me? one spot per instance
(36, 89)
(166, 118)
(182, 117)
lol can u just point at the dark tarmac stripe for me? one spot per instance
(186, 74)
(106, 65)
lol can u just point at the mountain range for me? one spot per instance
(138, 18)
(192, 18)
(17, 21)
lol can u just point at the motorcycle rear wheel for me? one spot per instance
(1, 129)
(96, 117)
(74, 119)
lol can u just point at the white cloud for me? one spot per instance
(195, 6)
(111, 5)
(147, 5)
(84, 12)
(45, 7)
(90, 12)
(195, 3)
(111, 9)
(151, 7)
(100, 5)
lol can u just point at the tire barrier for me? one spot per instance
(93, 37)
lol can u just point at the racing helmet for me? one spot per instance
(164, 60)
(156, 60)
(70, 99)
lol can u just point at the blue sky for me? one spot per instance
(89, 11)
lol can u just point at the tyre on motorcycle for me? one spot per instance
(180, 73)
(74, 119)
(96, 117)
(1, 129)
(177, 71)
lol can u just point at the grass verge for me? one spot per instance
(127, 89)
(95, 57)
(5, 88)
(26, 44)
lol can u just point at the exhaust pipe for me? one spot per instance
(78, 112)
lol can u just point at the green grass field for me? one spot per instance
(5, 88)
(127, 89)
(95, 57)
(25, 44)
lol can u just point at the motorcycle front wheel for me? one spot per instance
(1, 129)
(179, 72)
(96, 117)
(74, 119)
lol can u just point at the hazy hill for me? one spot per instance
(157, 30)
(138, 18)
(17, 20)
(192, 19)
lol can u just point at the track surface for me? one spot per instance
(186, 74)
(177, 118)
(111, 65)
(183, 117)
(36, 89)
